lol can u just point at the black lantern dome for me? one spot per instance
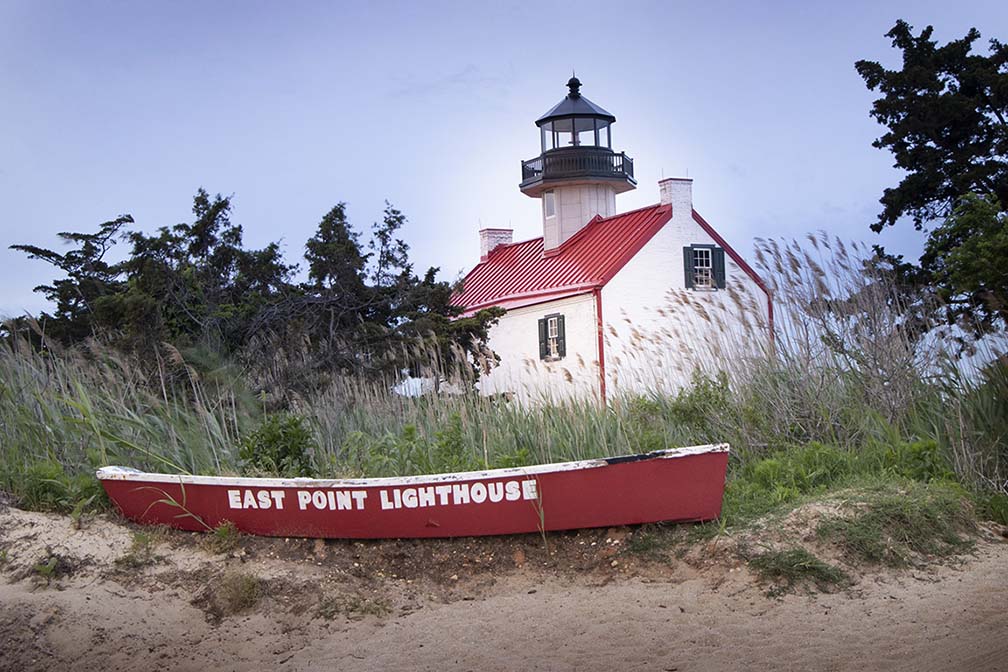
(575, 121)
(576, 143)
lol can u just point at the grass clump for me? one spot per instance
(352, 607)
(897, 525)
(223, 539)
(794, 566)
(46, 486)
(237, 592)
(142, 549)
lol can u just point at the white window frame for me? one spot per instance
(549, 204)
(703, 275)
(552, 336)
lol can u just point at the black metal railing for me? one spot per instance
(577, 162)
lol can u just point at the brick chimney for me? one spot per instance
(677, 192)
(492, 238)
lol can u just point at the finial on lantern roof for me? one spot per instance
(574, 84)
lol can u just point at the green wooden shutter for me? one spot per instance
(687, 259)
(717, 261)
(543, 345)
(561, 337)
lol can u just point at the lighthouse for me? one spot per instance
(577, 174)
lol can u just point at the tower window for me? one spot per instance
(549, 203)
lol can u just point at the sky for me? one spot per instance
(291, 107)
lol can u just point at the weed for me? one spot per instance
(3, 557)
(352, 607)
(52, 566)
(993, 506)
(142, 550)
(652, 540)
(281, 445)
(894, 525)
(794, 566)
(223, 539)
(237, 592)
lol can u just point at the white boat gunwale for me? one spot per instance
(114, 473)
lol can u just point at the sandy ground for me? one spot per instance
(585, 603)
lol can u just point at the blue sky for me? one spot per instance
(129, 107)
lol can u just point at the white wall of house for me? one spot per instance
(515, 339)
(657, 331)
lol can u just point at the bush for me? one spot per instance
(46, 486)
(281, 445)
(894, 524)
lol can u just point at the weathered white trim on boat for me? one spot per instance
(127, 474)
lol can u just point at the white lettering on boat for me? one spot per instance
(256, 499)
(324, 499)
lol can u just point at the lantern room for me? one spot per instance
(577, 174)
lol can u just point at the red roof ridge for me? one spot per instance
(584, 230)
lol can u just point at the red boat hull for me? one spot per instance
(675, 485)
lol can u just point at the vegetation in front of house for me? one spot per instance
(788, 568)
(222, 539)
(235, 592)
(902, 525)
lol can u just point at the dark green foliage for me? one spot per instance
(945, 112)
(918, 460)
(895, 525)
(793, 566)
(196, 286)
(282, 445)
(46, 486)
(993, 506)
(89, 280)
(519, 458)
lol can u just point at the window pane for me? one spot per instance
(549, 203)
(603, 136)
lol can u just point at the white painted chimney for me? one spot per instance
(492, 238)
(677, 192)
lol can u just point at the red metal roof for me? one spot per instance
(520, 274)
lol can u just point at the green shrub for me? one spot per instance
(919, 460)
(893, 524)
(281, 445)
(46, 486)
(993, 506)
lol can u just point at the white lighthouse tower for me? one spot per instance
(577, 175)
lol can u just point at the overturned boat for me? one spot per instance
(681, 484)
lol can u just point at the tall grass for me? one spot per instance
(854, 365)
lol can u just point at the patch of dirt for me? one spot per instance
(577, 600)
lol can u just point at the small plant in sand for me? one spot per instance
(791, 567)
(223, 539)
(237, 592)
(49, 568)
(142, 550)
(352, 607)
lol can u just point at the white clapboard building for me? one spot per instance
(605, 303)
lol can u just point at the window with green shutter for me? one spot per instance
(704, 266)
(552, 337)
